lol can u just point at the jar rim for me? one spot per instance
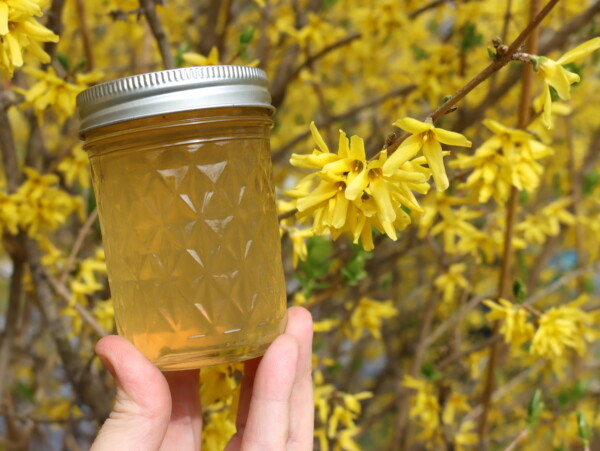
(171, 91)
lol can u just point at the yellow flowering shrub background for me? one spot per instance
(393, 222)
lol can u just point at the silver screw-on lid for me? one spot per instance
(171, 91)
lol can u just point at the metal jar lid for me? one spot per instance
(171, 91)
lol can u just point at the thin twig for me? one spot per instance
(158, 31)
(511, 218)
(12, 317)
(494, 66)
(518, 439)
(561, 282)
(398, 92)
(469, 117)
(439, 331)
(54, 23)
(65, 295)
(85, 35)
(287, 214)
(323, 52)
(507, 387)
(88, 386)
(7, 145)
(462, 354)
(85, 228)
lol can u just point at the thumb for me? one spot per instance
(142, 409)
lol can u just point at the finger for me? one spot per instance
(267, 425)
(142, 408)
(185, 426)
(302, 409)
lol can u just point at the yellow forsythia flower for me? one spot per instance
(554, 74)
(453, 278)
(509, 158)
(41, 204)
(515, 327)
(429, 139)
(51, 91)
(369, 314)
(565, 327)
(9, 213)
(353, 195)
(217, 432)
(19, 31)
(75, 167)
(424, 406)
(195, 59)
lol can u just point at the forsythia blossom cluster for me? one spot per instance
(426, 409)
(556, 330)
(37, 204)
(19, 31)
(354, 195)
(509, 158)
(53, 92)
(336, 415)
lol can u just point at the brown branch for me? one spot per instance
(461, 354)
(323, 52)
(81, 235)
(398, 92)
(85, 34)
(518, 439)
(7, 144)
(439, 331)
(54, 23)
(264, 45)
(158, 31)
(65, 295)
(12, 317)
(469, 117)
(494, 66)
(564, 280)
(434, 4)
(287, 214)
(511, 215)
(208, 32)
(88, 387)
(503, 37)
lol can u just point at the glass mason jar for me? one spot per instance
(181, 169)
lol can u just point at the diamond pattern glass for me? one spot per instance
(191, 235)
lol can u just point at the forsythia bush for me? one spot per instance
(437, 168)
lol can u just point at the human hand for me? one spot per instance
(161, 411)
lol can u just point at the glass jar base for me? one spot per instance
(201, 359)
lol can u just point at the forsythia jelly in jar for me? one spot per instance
(181, 170)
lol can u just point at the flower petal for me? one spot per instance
(3, 18)
(322, 193)
(412, 125)
(407, 150)
(433, 152)
(580, 51)
(357, 149)
(381, 195)
(366, 237)
(496, 127)
(357, 186)
(555, 75)
(451, 138)
(340, 211)
(318, 138)
(343, 145)
(547, 111)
